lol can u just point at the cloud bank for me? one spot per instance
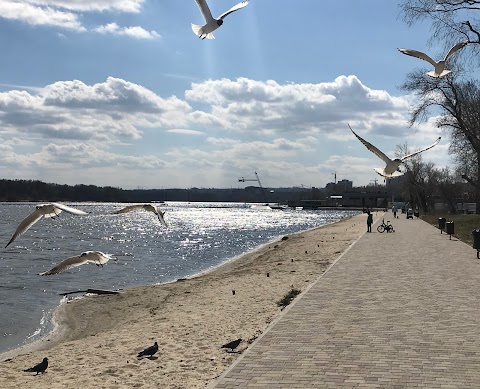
(113, 132)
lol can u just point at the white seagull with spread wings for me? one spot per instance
(391, 169)
(440, 65)
(96, 257)
(146, 207)
(212, 24)
(43, 210)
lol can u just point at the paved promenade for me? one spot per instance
(395, 311)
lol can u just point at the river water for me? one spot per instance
(199, 237)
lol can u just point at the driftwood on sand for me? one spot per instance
(96, 291)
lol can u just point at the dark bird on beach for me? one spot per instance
(232, 345)
(149, 351)
(39, 368)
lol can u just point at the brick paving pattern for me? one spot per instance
(397, 310)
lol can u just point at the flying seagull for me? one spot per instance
(149, 351)
(96, 257)
(212, 24)
(46, 210)
(39, 368)
(440, 65)
(232, 345)
(391, 169)
(146, 207)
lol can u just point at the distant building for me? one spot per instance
(339, 187)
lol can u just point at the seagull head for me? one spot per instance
(219, 22)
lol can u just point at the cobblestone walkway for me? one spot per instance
(397, 310)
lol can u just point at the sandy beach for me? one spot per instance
(97, 337)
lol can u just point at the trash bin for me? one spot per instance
(441, 224)
(476, 241)
(450, 228)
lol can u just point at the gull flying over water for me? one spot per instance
(147, 207)
(96, 257)
(440, 65)
(43, 210)
(212, 24)
(391, 169)
(39, 367)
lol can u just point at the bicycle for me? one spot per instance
(385, 227)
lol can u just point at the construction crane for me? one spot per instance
(243, 179)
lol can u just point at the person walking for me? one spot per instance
(394, 210)
(369, 221)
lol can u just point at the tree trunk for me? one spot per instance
(476, 188)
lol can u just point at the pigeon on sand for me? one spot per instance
(43, 210)
(39, 368)
(146, 207)
(439, 66)
(212, 24)
(149, 351)
(96, 257)
(391, 169)
(232, 345)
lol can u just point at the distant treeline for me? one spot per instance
(29, 190)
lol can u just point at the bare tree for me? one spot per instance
(459, 104)
(418, 186)
(452, 20)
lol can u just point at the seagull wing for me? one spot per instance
(233, 9)
(160, 216)
(372, 148)
(26, 223)
(422, 150)
(66, 264)
(129, 208)
(68, 209)
(203, 6)
(93, 257)
(418, 54)
(455, 48)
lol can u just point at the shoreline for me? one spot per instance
(54, 334)
(189, 318)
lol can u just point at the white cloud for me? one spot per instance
(68, 14)
(250, 105)
(38, 16)
(184, 131)
(109, 111)
(134, 32)
(92, 5)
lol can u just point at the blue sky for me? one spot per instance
(122, 93)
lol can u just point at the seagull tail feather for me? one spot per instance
(196, 29)
(436, 75)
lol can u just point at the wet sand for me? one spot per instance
(97, 338)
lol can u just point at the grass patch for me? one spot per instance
(463, 224)
(288, 298)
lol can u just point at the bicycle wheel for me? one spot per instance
(381, 228)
